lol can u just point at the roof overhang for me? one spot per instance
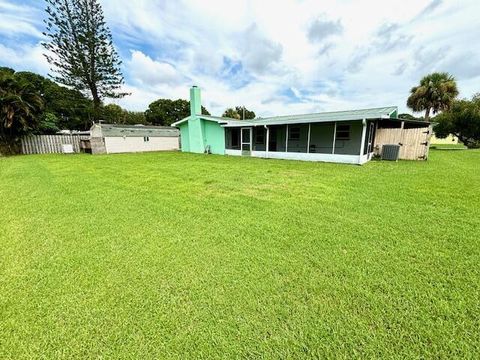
(419, 122)
(218, 119)
(175, 124)
(243, 123)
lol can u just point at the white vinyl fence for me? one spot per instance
(49, 144)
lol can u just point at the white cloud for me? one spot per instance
(320, 29)
(257, 51)
(19, 19)
(149, 72)
(24, 57)
(284, 56)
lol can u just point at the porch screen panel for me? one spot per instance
(232, 140)
(277, 138)
(297, 138)
(321, 138)
(351, 141)
(259, 138)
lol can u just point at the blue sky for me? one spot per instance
(275, 57)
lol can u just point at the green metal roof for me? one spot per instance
(374, 113)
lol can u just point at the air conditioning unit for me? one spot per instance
(390, 152)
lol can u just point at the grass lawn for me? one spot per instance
(171, 255)
(448, 146)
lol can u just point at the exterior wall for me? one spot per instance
(195, 135)
(198, 133)
(335, 158)
(137, 144)
(184, 138)
(449, 140)
(97, 145)
(214, 136)
(96, 131)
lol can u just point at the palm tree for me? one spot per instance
(436, 92)
(231, 113)
(20, 106)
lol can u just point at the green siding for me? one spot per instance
(195, 135)
(184, 137)
(195, 101)
(214, 135)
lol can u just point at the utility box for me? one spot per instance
(67, 149)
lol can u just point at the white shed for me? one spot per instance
(113, 138)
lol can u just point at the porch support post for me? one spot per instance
(267, 140)
(308, 139)
(362, 144)
(334, 137)
(286, 139)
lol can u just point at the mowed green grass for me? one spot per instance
(171, 255)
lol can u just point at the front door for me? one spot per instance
(246, 140)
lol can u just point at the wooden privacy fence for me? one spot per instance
(414, 141)
(49, 144)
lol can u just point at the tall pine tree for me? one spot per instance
(80, 49)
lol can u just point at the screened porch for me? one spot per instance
(284, 141)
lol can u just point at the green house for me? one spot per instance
(342, 136)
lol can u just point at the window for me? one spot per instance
(146, 139)
(343, 132)
(294, 133)
(259, 136)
